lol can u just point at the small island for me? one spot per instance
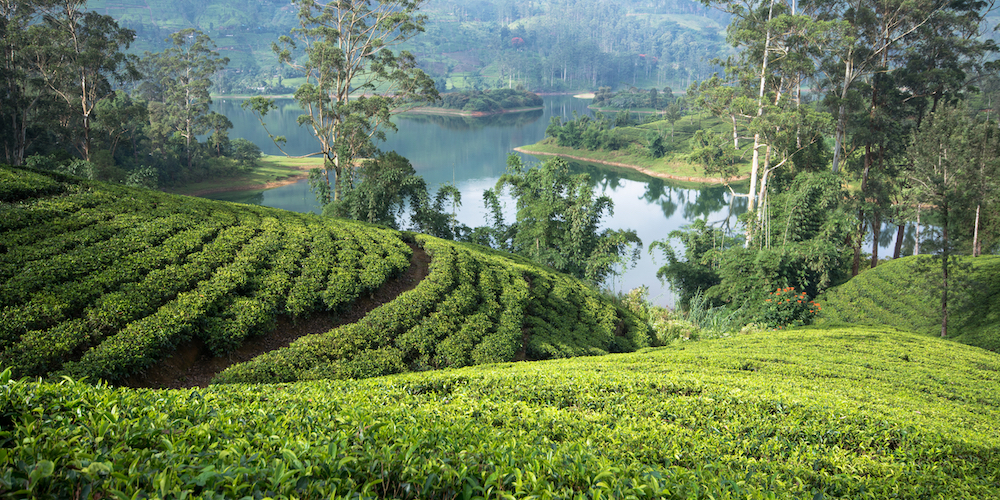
(482, 103)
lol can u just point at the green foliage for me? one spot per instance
(800, 244)
(783, 307)
(103, 281)
(489, 101)
(697, 271)
(775, 415)
(903, 293)
(557, 221)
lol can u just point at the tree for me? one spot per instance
(122, 118)
(20, 88)
(942, 154)
(778, 46)
(353, 80)
(557, 222)
(84, 56)
(179, 83)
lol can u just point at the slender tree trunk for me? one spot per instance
(916, 240)
(944, 271)
(736, 135)
(900, 232)
(975, 235)
(876, 235)
(755, 164)
(841, 117)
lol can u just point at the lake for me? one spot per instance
(472, 153)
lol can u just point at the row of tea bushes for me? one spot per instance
(906, 293)
(794, 414)
(102, 280)
(475, 307)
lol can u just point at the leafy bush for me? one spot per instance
(783, 307)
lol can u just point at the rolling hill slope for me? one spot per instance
(905, 293)
(104, 281)
(813, 413)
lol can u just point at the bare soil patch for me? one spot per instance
(193, 364)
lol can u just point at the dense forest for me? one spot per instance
(543, 45)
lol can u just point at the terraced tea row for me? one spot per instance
(103, 281)
(772, 415)
(475, 307)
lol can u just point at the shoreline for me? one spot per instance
(661, 175)
(431, 110)
(292, 178)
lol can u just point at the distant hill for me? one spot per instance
(547, 45)
(905, 293)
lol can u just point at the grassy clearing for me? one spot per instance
(273, 171)
(670, 167)
(905, 293)
(814, 413)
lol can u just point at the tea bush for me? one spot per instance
(796, 414)
(905, 293)
(103, 281)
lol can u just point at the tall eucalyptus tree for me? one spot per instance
(354, 81)
(178, 87)
(82, 61)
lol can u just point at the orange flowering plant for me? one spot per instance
(786, 307)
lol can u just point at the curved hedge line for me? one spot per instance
(475, 307)
(103, 281)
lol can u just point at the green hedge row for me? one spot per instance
(110, 280)
(24, 185)
(475, 307)
(774, 415)
(906, 294)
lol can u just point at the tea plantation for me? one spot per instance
(906, 293)
(103, 281)
(100, 282)
(813, 413)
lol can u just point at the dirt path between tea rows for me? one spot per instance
(193, 365)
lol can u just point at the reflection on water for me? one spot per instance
(471, 153)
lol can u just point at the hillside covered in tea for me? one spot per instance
(104, 281)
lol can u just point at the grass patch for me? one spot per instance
(669, 166)
(272, 171)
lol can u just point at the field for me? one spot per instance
(106, 282)
(273, 171)
(430, 395)
(674, 165)
(815, 413)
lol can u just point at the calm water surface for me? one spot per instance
(471, 153)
